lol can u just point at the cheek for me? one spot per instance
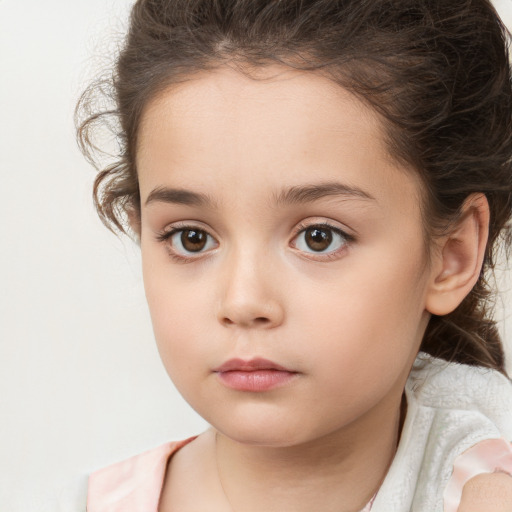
(366, 324)
(183, 342)
(179, 312)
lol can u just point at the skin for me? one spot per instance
(348, 320)
(487, 492)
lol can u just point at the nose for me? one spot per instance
(250, 293)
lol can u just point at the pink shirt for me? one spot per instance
(133, 485)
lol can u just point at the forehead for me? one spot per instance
(223, 130)
(274, 99)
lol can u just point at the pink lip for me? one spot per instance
(250, 366)
(256, 375)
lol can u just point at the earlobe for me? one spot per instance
(459, 260)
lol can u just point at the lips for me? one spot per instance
(256, 375)
(250, 366)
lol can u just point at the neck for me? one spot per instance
(338, 472)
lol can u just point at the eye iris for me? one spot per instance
(193, 240)
(318, 239)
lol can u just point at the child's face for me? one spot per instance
(346, 313)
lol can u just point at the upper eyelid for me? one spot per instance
(301, 226)
(182, 226)
(323, 224)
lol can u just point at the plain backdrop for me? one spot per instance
(81, 384)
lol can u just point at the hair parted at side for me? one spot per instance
(437, 72)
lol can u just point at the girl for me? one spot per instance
(319, 188)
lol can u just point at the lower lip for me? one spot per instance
(257, 380)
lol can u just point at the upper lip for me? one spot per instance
(250, 366)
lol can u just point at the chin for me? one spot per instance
(271, 432)
(255, 437)
(258, 430)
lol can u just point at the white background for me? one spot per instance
(81, 384)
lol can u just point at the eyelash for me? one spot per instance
(165, 236)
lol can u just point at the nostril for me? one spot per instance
(261, 320)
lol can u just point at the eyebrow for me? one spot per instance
(301, 194)
(296, 195)
(180, 196)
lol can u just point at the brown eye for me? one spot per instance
(181, 242)
(321, 239)
(318, 239)
(193, 240)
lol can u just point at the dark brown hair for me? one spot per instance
(437, 71)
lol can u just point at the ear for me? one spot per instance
(458, 261)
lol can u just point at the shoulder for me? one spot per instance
(490, 492)
(481, 478)
(450, 384)
(138, 479)
(444, 386)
